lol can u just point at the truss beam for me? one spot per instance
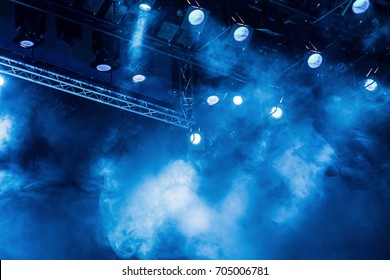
(93, 92)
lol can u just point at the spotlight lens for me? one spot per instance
(241, 33)
(196, 17)
(212, 100)
(195, 138)
(276, 112)
(360, 6)
(145, 7)
(370, 85)
(314, 60)
(1, 81)
(138, 78)
(237, 100)
(103, 67)
(26, 44)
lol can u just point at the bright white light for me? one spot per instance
(145, 7)
(212, 100)
(276, 112)
(26, 44)
(196, 17)
(195, 138)
(370, 85)
(103, 67)
(314, 60)
(241, 33)
(360, 6)
(138, 78)
(2, 81)
(237, 100)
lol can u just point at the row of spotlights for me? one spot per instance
(214, 99)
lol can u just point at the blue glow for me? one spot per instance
(196, 17)
(81, 180)
(195, 138)
(241, 33)
(276, 112)
(370, 85)
(212, 100)
(360, 6)
(139, 31)
(315, 60)
(138, 38)
(237, 100)
(2, 81)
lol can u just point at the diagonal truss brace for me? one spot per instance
(186, 90)
(93, 92)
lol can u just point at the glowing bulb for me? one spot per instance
(195, 138)
(360, 6)
(196, 17)
(138, 78)
(2, 81)
(241, 33)
(276, 112)
(26, 44)
(370, 85)
(145, 7)
(314, 60)
(103, 67)
(212, 100)
(237, 100)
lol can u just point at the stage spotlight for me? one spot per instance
(212, 100)
(146, 5)
(360, 6)
(276, 112)
(107, 50)
(2, 81)
(195, 19)
(237, 100)
(195, 138)
(195, 141)
(138, 78)
(315, 60)
(241, 33)
(370, 85)
(30, 25)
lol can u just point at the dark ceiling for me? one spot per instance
(285, 30)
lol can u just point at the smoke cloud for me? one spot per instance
(79, 180)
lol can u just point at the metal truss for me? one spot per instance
(93, 92)
(186, 90)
